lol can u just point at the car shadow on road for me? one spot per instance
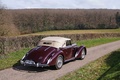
(17, 66)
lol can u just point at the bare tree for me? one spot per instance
(3, 29)
(7, 26)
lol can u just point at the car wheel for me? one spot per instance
(83, 54)
(59, 62)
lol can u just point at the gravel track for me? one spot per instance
(31, 73)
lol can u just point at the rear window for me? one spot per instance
(50, 43)
(47, 43)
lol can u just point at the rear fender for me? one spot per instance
(54, 58)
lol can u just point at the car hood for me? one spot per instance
(40, 53)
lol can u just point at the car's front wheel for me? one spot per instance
(59, 62)
(83, 54)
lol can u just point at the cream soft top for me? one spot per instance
(53, 41)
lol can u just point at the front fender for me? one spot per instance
(79, 51)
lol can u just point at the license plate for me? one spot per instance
(29, 62)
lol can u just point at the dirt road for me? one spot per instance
(30, 73)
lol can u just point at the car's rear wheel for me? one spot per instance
(59, 62)
(83, 54)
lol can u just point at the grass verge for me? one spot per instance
(9, 60)
(104, 68)
(95, 42)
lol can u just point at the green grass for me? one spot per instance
(95, 42)
(9, 60)
(59, 32)
(104, 68)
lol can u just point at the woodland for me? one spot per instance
(26, 21)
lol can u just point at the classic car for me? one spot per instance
(53, 51)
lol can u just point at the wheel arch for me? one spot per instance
(85, 50)
(79, 50)
(55, 57)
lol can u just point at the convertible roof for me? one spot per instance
(57, 39)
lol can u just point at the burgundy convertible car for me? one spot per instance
(53, 51)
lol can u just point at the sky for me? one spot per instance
(67, 4)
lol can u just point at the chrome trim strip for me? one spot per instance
(37, 48)
(49, 54)
(70, 59)
(81, 49)
(47, 48)
(56, 54)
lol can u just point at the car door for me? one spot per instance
(68, 50)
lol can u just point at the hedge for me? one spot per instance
(11, 44)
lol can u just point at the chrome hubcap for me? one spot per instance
(83, 54)
(60, 62)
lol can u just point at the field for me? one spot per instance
(60, 32)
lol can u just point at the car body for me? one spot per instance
(53, 51)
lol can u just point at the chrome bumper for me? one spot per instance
(32, 63)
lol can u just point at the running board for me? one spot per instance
(70, 59)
